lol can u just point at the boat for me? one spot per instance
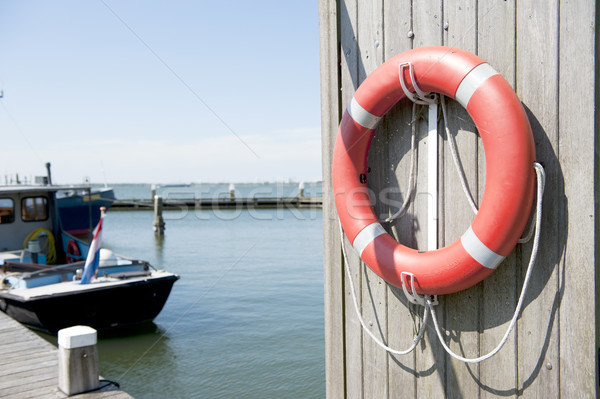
(41, 266)
(80, 209)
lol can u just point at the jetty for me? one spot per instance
(222, 203)
(29, 366)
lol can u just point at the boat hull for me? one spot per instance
(103, 308)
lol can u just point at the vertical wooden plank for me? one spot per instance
(394, 146)
(374, 289)
(427, 28)
(463, 308)
(578, 350)
(333, 271)
(597, 187)
(351, 64)
(498, 375)
(537, 85)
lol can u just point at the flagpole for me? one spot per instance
(92, 262)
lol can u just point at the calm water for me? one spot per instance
(246, 318)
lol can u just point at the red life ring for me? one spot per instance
(73, 252)
(510, 177)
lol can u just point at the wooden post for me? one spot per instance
(553, 349)
(159, 224)
(153, 192)
(77, 360)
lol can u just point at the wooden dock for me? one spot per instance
(29, 366)
(223, 203)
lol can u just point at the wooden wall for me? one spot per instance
(547, 50)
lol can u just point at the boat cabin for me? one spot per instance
(30, 227)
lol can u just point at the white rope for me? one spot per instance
(463, 178)
(413, 168)
(457, 164)
(541, 181)
(534, 227)
(362, 322)
(529, 234)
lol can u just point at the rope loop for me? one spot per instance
(429, 301)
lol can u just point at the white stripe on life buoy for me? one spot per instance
(366, 235)
(472, 81)
(479, 251)
(362, 116)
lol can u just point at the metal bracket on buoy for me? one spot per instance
(412, 296)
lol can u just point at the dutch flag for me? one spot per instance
(93, 258)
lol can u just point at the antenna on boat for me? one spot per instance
(49, 173)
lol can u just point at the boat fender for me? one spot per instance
(510, 177)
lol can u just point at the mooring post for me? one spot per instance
(301, 188)
(231, 191)
(77, 360)
(159, 224)
(153, 191)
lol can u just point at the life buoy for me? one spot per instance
(510, 178)
(73, 252)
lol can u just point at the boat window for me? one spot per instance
(7, 210)
(34, 209)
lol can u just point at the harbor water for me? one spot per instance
(246, 318)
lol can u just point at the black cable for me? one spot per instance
(98, 388)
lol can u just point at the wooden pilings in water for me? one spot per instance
(159, 223)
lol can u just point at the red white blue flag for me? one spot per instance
(92, 261)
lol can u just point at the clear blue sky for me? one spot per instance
(160, 91)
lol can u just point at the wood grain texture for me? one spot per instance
(576, 155)
(329, 45)
(536, 78)
(29, 366)
(548, 53)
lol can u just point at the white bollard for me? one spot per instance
(231, 191)
(301, 189)
(77, 360)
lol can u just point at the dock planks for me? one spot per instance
(29, 366)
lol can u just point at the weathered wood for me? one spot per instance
(431, 363)
(158, 225)
(77, 360)
(333, 270)
(536, 79)
(577, 155)
(374, 303)
(463, 312)
(351, 70)
(29, 366)
(391, 159)
(548, 53)
(498, 376)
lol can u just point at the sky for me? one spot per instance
(160, 91)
